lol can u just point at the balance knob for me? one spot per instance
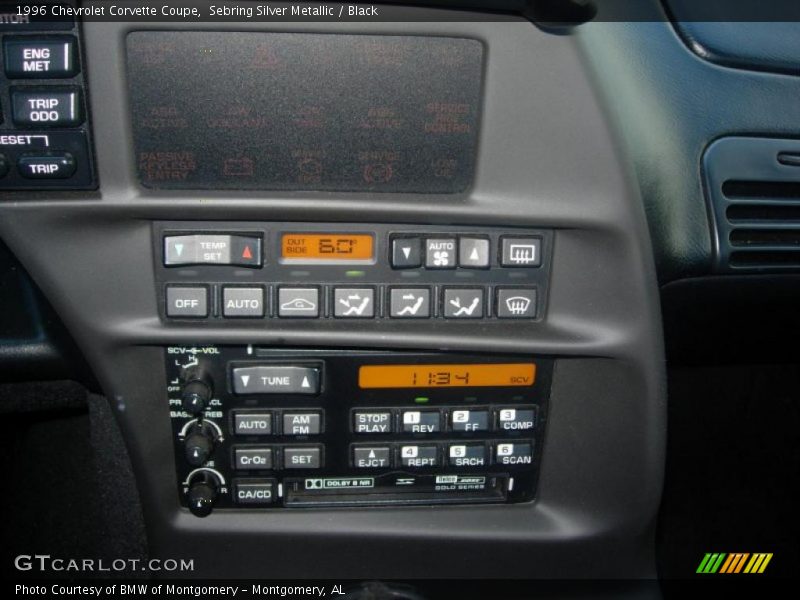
(196, 393)
(199, 444)
(202, 493)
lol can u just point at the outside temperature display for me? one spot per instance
(429, 376)
(314, 247)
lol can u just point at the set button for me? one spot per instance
(302, 458)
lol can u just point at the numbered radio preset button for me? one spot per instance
(513, 453)
(419, 456)
(515, 419)
(469, 420)
(421, 421)
(467, 455)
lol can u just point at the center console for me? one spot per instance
(365, 297)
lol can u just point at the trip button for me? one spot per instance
(515, 419)
(377, 421)
(469, 420)
(252, 458)
(419, 456)
(189, 302)
(516, 453)
(372, 457)
(421, 421)
(40, 58)
(466, 455)
(302, 458)
(309, 423)
(248, 423)
(51, 166)
(276, 379)
(254, 491)
(51, 107)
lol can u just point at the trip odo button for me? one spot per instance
(50, 107)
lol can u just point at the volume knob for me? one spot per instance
(196, 394)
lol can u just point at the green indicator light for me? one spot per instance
(355, 273)
(421, 400)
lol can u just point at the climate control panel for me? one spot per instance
(354, 275)
(263, 428)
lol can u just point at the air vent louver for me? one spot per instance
(753, 186)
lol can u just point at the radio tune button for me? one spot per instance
(421, 421)
(302, 423)
(469, 420)
(302, 458)
(419, 456)
(466, 455)
(254, 491)
(440, 253)
(252, 423)
(513, 453)
(377, 421)
(375, 457)
(276, 379)
(252, 458)
(515, 419)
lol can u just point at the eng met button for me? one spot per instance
(276, 379)
(40, 58)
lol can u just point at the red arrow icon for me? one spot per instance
(246, 252)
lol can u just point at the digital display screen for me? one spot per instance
(321, 247)
(300, 111)
(437, 376)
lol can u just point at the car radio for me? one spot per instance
(264, 428)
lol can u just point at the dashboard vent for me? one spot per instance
(753, 186)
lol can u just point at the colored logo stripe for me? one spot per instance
(721, 562)
(711, 562)
(758, 563)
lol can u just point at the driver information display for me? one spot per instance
(292, 111)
